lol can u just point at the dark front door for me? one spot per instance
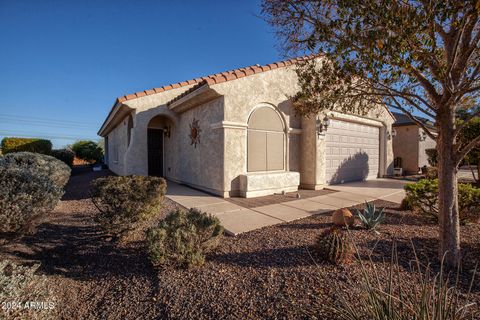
(155, 152)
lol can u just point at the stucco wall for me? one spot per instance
(405, 146)
(201, 166)
(117, 146)
(221, 157)
(244, 95)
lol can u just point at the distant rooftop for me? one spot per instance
(402, 119)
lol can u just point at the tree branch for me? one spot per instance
(465, 150)
(411, 117)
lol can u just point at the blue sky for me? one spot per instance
(63, 62)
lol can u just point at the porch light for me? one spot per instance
(391, 134)
(166, 131)
(322, 125)
(422, 136)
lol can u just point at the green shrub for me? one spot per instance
(183, 238)
(65, 155)
(56, 170)
(432, 156)
(431, 173)
(88, 150)
(27, 190)
(10, 145)
(423, 198)
(19, 285)
(469, 202)
(333, 245)
(371, 218)
(125, 201)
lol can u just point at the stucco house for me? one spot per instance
(235, 133)
(410, 142)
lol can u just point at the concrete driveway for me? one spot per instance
(237, 219)
(384, 189)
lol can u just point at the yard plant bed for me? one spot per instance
(271, 273)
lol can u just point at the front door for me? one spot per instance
(155, 152)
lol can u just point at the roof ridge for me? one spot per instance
(216, 77)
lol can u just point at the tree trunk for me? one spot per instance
(477, 180)
(448, 191)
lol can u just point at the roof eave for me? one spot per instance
(118, 112)
(197, 95)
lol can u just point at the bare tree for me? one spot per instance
(420, 57)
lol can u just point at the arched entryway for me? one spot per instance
(157, 130)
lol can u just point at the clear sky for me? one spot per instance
(63, 62)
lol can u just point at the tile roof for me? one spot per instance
(215, 78)
(402, 119)
(211, 79)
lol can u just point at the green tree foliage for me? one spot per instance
(414, 56)
(10, 145)
(88, 150)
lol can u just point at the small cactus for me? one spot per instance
(333, 245)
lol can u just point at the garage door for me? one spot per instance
(352, 152)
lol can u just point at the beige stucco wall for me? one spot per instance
(217, 163)
(405, 146)
(134, 159)
(242, 97)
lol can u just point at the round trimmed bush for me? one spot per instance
(125, 201)
(56, 170)
(183, 238)
(29, 188)
(65, 155)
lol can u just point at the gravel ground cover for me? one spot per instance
(271, 273)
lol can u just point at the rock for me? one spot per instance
(342, 217)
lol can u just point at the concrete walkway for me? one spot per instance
(237, 219)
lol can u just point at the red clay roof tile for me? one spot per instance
(217, 77)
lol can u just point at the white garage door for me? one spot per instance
(352, 152)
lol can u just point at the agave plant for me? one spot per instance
(371, 218)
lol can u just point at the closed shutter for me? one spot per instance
(265, 141)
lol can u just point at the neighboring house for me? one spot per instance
(236, 134)
(410, 143)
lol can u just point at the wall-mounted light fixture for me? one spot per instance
(166, 131)
(422, 136)
(322, 125)
(391, 134)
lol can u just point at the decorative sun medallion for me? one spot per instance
(194, 133)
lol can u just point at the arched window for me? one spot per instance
(129, 129)
(265, 141)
